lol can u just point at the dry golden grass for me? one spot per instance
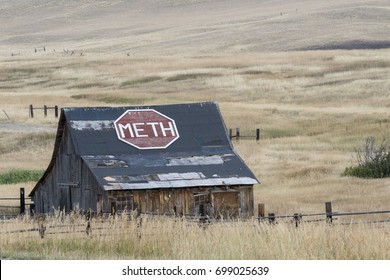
(66, 238)
(313, 108)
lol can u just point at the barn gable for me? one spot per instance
(88, 144)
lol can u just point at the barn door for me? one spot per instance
(75, 198)
(69, 198)
(65, 199)
(202, 198)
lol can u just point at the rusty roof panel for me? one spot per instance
(130, 172)
(180, 184)
(198, 160)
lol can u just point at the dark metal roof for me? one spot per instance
(201, 156)
(200, 126)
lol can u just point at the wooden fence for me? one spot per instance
(23, 203)
(45, 108)
(239, 136)
(328, 216)
(88, 223)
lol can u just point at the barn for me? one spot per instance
(154, 159)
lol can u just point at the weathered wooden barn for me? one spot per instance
(155, 159)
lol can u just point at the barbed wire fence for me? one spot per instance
(89, 224)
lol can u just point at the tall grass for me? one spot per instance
(118, 238)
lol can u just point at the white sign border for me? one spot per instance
(146, 148)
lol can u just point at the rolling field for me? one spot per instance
(315, 91)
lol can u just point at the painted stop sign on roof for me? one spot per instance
(146, 129)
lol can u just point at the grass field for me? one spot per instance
(313, 108)
(178, 239)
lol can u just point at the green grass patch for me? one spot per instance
(15, 176)
(191, 76)
(81, 96)
(141, 81)
(256, 72)
(89, 85)
(373, 161)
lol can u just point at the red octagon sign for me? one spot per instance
(146, 129)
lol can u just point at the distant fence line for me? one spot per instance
(328, 216)
(42, 49)
(84, 223)
(45, 108)
(239, 136)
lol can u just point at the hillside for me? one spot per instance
(312, 75)
(192, 27)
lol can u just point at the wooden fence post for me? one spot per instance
(45, 110)
(88, 216)
(139, 228)
(41, 226)
(22, 202)
(56, 111)
(257, 134)
(261, 212)
(297, 219)
(237, 133)
(31, 111)
(271, 218)
(328, 210)
(230, 133)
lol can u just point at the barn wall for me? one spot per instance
(91, 195)
(221, 202)
(69, 185)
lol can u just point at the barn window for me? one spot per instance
(199, 199)
(125, 203)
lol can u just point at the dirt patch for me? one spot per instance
(12, 127)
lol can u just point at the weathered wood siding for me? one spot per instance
(221, 202)
(69, 185)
